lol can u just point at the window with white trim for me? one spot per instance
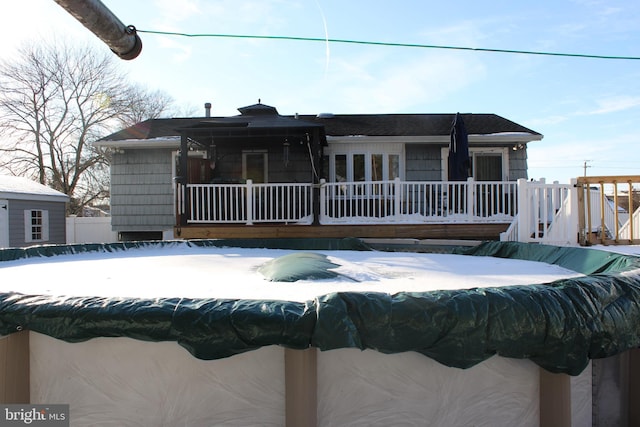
(254, 165)
(36, 225)
(487, 163)
(355, 162)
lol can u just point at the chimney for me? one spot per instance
(207, 109)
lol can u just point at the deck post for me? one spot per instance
(603, 223)
(317, 163)
(249, 201)
(323, 200)
(524, 206)
(583, 235)
(181, 181)
(397, 196)
(471, 191)
(573, 226)
(301, 387)
(631, 210)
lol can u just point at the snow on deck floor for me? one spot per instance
(196, 272)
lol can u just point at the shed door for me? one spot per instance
(4, 223)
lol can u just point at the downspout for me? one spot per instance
(96, 17)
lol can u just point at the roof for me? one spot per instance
(263, 116)
(253, 117)
(15, 187)
(415, 124)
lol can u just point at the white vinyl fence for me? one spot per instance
(90, 230)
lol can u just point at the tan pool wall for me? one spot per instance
(14, 368)
(305, 396)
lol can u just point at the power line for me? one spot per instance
(389, 44)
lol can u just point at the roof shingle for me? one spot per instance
(346, 124)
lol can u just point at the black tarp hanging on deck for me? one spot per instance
(458, 160)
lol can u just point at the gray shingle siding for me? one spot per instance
(423, 162)
(296, 171)
(142, 190)
(517, 164)
(57, 221)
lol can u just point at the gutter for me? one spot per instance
(495, 138)
(167, 142)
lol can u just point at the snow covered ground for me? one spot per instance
(211, 272)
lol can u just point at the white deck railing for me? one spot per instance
(249, 203)
(371, 202)
(538, 212)
(411, 202)
(547, 214)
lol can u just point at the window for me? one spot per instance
(487, 167)
(340, 174)
(393, 166)
(359, 172)
(377, 167)
(36, 225)
(487, 163)
(356, 163)
(254, 166)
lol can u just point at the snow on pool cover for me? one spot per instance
(215, 300)
(234, 273)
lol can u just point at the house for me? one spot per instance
(261, 174)
(30, 213)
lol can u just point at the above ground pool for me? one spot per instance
(403, 336)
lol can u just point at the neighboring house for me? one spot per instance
(268, 171)
(30, 213)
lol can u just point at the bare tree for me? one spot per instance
(54, 101)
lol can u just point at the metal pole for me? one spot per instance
(122, 40)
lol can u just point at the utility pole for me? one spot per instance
(585, 166)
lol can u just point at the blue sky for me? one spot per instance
(587, 109)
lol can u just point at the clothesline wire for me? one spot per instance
(389, 44)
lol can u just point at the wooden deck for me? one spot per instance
(450, 231)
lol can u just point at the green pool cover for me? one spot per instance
(559, 325)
